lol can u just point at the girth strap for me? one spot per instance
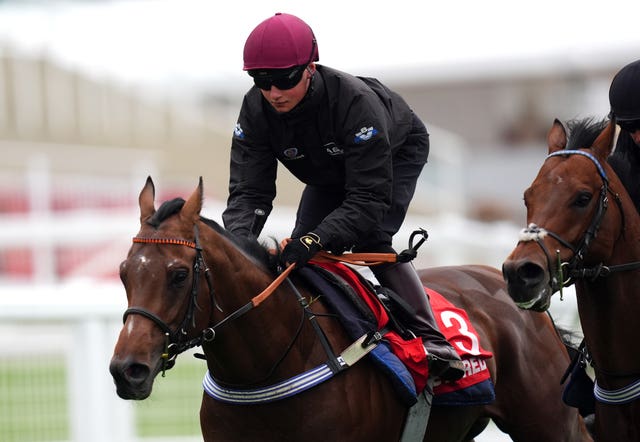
(617, 397)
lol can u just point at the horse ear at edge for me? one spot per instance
(146, 200)
(192, 207)
(556, 137)
(603, 145)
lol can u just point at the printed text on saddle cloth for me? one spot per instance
(456, 327)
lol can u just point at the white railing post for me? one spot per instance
(97, 414)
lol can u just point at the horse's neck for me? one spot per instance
(626, 249)
(609, 306)
(247, 347)
(237, 278)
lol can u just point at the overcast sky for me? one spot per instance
(165, 41)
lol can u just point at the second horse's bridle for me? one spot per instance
(568, 271)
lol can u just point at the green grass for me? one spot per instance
(174, 405)
(34, 405)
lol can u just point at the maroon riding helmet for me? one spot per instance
(280, 42)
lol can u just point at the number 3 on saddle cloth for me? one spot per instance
(360, 311)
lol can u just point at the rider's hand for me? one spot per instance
(284, 243)
(301, 250)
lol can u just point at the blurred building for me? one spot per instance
(502, 112)
(489, 120)
(73, 142)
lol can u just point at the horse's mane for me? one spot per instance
(625, 161)
(167, 209)
(583, 132)
(251, 246)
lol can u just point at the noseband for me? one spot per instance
(175, 340)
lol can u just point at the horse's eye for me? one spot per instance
(178, 277)
(583, 199)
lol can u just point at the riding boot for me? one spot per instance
(402, 278)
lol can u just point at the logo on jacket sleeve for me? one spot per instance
(332, 149)
(292, 153)
(238, 132)
(365, 134)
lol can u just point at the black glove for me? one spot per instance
(301, 250)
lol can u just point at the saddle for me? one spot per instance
(364, 308)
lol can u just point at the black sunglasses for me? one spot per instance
(630, 126)
(282, 79)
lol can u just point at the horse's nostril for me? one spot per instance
(136, 372)
(131, 373)
(522, 274)
(530, 273)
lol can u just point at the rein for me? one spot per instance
(174, 343)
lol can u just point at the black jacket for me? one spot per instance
(342, 135)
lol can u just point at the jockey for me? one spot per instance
(355, 144)
(624, 99)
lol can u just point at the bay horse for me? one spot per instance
(583, 228)
(184, 274)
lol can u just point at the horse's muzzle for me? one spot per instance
(527, 284)
(133, 380)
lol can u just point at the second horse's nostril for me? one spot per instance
(530, 273)
(522, 273)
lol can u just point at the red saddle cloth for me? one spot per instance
(454, 325)
(459, 331)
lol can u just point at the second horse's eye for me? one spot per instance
(178, 277)
(583, 199)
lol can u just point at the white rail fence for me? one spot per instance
(79, 321)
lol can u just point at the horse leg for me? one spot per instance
(551, 421)
(477, 428)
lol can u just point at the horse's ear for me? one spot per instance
(556, 137)
(145, 200)
(604, 143)
(192, 207)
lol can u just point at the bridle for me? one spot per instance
(567, 272)
(574, 268)
(176, 341)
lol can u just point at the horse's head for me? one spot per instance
(572, 223)
(164, 279)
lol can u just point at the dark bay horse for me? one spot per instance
(185, 274)
(583, 228)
